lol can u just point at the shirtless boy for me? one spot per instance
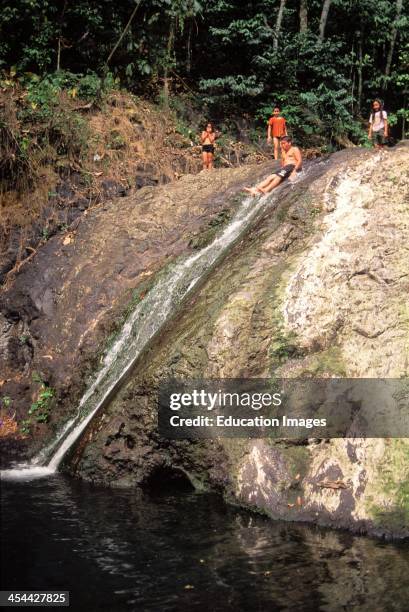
(291, 164)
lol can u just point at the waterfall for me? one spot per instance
(142, 325)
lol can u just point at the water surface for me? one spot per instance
(177, 550)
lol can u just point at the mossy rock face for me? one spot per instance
(315, 288)
(388, 496)
(270, 478)
(290, 299)
(327, 362)
(321, 364)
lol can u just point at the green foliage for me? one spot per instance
(229, 88)
(224, 51)
(315, 82)
(6, 401)
(41, 122)
(25, 427)
(327, 362)
(40, 410)
(43, 92)
(393, 485)
(117, 140)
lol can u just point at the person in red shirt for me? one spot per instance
(276, 129)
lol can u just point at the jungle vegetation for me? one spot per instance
(321, 60)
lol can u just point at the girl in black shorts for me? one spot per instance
(207, 140)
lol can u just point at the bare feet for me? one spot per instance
(252, 190)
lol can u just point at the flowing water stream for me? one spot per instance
(143, 324)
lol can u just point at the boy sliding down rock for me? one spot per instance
(291, 164)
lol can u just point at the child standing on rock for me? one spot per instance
(207, 140)
(276, 130)
(378, 125)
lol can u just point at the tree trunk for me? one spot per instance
(324, 18)
(59, 54)
(360, 62)
(60, 35)
(169, 51)
(278, 24)
(303, 16)
(189, 49)
(394, 32)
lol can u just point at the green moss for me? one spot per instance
(40, 409)
(298, 458)
(284, 343)
(236, 449)
(392, 485)
(327, 362)
(138, 295)
(282, 213)
(298, 461)
(283, 347)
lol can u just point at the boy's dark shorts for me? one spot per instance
(378, 137)
(285, 171)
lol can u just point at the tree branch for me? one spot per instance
(128, 25)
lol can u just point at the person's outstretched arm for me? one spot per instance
(268, 132)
